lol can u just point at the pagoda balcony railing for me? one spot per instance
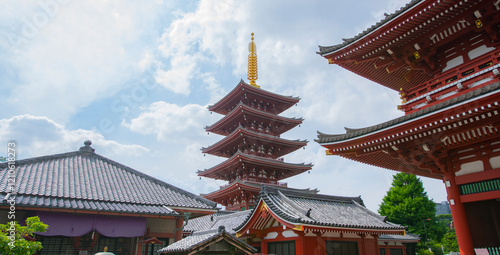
(274, 183)
(483, 70)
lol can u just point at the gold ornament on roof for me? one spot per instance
(252, 64)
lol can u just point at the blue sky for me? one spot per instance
(136, 77)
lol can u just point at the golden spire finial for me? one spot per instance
(252, 64)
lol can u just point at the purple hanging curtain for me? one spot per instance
(67, 224)
(120, 226)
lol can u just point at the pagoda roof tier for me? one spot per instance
(267, 101)
(252, 142)
(275, 124)
(423, 142)
(418, 41)
(233, 190)
(240, 190)
(242, 164)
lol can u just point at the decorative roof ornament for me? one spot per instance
(252, 64)
(87, 147)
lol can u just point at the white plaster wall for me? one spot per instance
(331, 234)
(351, 235)
(495, 162)
(271, 235)
(479, 51)
(453, 63)
(289, 233)
(469, 168)
(160, 225)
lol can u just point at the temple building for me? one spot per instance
(443, 57)
(293, 222)
(91, 202)
(287, 221)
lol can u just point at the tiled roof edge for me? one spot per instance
(243, 83)
(19, 205)
(308, 195)
(110, 161)
(327, 138)
(267, 160)
(323, 50)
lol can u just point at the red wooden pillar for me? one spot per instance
(459, 217)
(139, 246)
(263, 246)
(178, 228)
(300, 245)
(320, 244)
(377, 248)
(363, 244)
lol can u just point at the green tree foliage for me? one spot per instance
(424, 252)
(14, 238)
(450, 242)
(436, 248)
(406, 203)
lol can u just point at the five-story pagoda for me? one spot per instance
(252, 144)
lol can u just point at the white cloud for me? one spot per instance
(170, 122)
(66, 56)
(38, 136)
(200, 38)
(178, 77)
(215, 89)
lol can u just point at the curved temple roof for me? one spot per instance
(238, 114)
(234, 138)
(439, 129)
(414, 44)
(352, 133)
(200, 241)
(325, 50)
(234, 97)
(316, 210)
(267, 163)
(85, 180)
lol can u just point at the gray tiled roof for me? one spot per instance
(189, 242)
(350, 133)
(322, 210)
(229, 219)
(198, 239)
(407, 238)
(443, 208)
(327, 49)
(88, 181)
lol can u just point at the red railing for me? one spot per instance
(275, 183)
(459, 80)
